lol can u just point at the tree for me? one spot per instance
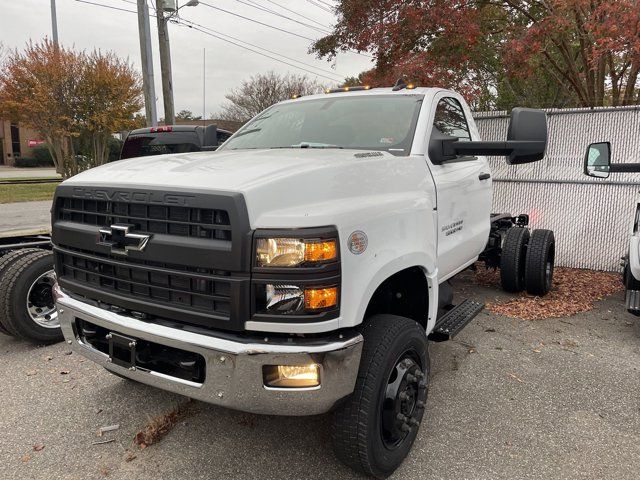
(64, 94)
(262, 91)
(38, 88)
(187, 115)
(109, 95)
(555, 52)
(592, 46)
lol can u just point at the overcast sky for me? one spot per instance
(88, 26)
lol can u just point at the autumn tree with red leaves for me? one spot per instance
(545, 52)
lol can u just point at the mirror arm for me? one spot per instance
(625, 168)
(493, 148)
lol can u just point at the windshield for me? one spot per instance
(367, 122)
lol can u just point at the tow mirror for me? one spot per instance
(597, 161)
(526, 141)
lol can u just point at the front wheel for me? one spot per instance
(374, 429)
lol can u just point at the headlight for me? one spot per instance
(293, 252)
(291, 299)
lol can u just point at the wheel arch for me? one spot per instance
(414, 281)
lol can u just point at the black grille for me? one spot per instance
(180, 221)
(189, 291)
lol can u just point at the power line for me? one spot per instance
(257, 21)
(319, 5)
(274, 27)
(218, 35)
(340, 76)
(326, 3)
(259, 53)
(299, 14)
(106, 6)
(272, 12)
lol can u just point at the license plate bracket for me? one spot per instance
(122, 350)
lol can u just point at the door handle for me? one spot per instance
(484, 176)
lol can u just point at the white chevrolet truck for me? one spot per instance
(597, 164)
(302, 267)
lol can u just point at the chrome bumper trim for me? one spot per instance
(233, 368)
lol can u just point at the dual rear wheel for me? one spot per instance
(527, 261)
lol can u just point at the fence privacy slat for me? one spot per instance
(590, 217)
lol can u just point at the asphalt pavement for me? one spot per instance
(25, 218)
(12, 172)
(508, 399)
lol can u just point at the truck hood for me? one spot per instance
(287, 180)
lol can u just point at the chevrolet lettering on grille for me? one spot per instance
(121, 240)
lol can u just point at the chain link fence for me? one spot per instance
(590, 217)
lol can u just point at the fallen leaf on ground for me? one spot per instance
(130, 456)
(38, 447)
(160, 426)
(64, 372)
(25, 458)
(104, 471)
(31, 373)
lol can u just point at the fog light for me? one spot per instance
(291, 376)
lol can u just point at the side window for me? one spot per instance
(450, 119)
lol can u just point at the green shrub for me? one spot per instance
(42, 155)
(26, 162)
(41, 158)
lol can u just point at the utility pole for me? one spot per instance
(148, 83)
(165, 64)
(54, 22)
(204, 85)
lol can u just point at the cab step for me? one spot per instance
(633, 301)
(450, 324)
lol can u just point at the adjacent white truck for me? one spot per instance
(303, 266)
(597, 164)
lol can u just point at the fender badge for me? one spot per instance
(358, 242)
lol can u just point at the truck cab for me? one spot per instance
(303, 266)
(597, 164)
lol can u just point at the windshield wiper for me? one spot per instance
(247, 132)
(312, 145)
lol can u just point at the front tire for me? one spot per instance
(374, 429)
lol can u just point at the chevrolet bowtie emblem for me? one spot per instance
(120, 239)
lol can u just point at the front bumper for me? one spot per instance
(233, 375)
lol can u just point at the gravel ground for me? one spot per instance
(508, 399)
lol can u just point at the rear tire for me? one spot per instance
(540, 262)
(374, 429)
(512, 259)
(26, 298)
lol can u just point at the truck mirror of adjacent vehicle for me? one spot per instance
(526, 141)
(210, 136)
(597, 160)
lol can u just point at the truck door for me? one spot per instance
(463, 192)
